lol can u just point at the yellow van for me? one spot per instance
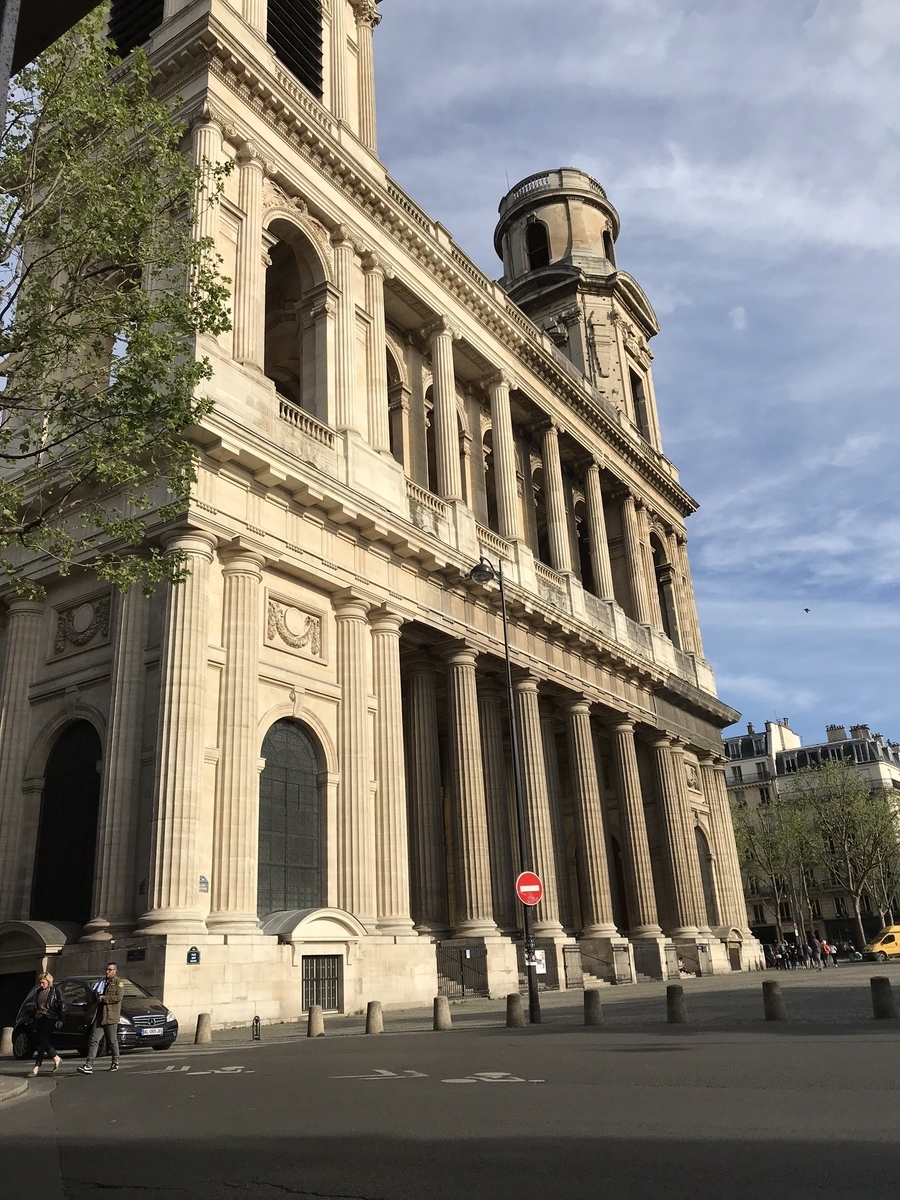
(886, 945)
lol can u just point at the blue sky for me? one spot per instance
(753, 153)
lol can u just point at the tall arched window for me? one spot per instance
(490, 481)
(431, 442)
(537, 243)
(665, 590)
(609, 249)
(706, 874)
(67, 837)
(291, 822)
(296, 325)
(584, 548)
(540, 516)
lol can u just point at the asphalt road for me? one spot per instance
(556, 1112)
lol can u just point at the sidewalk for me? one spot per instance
(10, 1087)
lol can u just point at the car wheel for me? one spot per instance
(23, 1047)
(881, 956)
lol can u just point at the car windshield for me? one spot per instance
(133, 991)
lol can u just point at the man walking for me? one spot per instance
(109, 992)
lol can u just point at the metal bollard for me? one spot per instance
(676, 1009)
(515, 1013)
(883, 1006)
(773, 1001)
(315, 1022)
(256, 1029)
(204, 1030)
(593, 1009)
(6, 1036)
(374, 1018)
(442, 1018)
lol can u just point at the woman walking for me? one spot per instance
(48, 1012)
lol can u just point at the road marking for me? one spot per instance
(492, 1077)
(381, 1074)
(173, 1070)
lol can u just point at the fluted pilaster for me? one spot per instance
(692, 853)
(496, 792)
(474, 917)
(423, 773)
(509, 510)
(114, 892)
(249, 284)
(680, 852)
(346, 408)
(539, 826)
(236, 823)
(206, 138)
(593, 863)
(446, 428)
(635, 560)
(20, 662)
(689, 598)
(376, 355)
(391, 834)
(600, 563)
(367, 17)
(355, 817)
(254, 13)
(174, 884)
(636, 848)
(557, 518)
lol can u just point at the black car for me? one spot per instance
(145, 1021)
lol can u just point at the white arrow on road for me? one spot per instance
(380, 1074)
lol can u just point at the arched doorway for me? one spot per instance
(291, 871)
(67, 836)
(706, 874)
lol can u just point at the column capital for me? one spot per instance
(387, 620)
(208, 117)
(22, 606)
(239, 560)
(500, 379)
(349, 605)
(342, 237)
(373, 264)
(251, 155)
(524, 681)
(662, 741)
(441, 327)
(191, 541)
(572, 705)
(461, 654)
(623, 725)
(366, 13)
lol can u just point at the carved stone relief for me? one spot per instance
(692, 776)
(80, 624)
(289, 627)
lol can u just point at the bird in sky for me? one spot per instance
(806, 610)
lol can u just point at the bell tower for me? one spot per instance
(557, 237)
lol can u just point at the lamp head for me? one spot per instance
(482, 572)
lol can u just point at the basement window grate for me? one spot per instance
(132, 21)
(295, 34)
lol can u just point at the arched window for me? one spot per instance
(664, 575)
(490, 481)
(284, 351)
(296, 323)
(540, 516)
(584, 548)
(609, 249)
(639, 402)
(291, 822)
(537, 243)
(67, 837)
(706, 874)
(431, 442)
(396, 414)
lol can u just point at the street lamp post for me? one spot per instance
(484, 571)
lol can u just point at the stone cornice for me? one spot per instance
(310, 130)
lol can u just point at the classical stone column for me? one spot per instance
(729, 881)
(593, 863)
(695, 875)
(347, 414)
(474, 916)
(635, 560)
(679, 599)
(496, 792)
(367, 17)
(236, 822)
(554, 799)
(376, 355)
(174, 883)
(446, 428)
(679, 851)
(355, 832)
(636, 849)
(22, 649)
(254, 13)
(600, 564)
(338, 57)
(509, 510)
(690, 601)
(249, 283)
(423, 773)
(539, 826)
(557, 518)
(206, 134)
(113, 901)
(391, 834)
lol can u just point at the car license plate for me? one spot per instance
(151, 1033)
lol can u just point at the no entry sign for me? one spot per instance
(529, 888)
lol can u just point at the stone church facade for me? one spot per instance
(295, 767)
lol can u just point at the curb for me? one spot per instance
(10, 1088)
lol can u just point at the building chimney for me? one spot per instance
(836, 733)
(860, 731)
(750, 728)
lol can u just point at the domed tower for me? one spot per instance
(556, 235)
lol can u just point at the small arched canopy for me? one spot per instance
(291, 865)
(314, 925)
(537, 243)
(67, 836)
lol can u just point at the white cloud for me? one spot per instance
(738, 317)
